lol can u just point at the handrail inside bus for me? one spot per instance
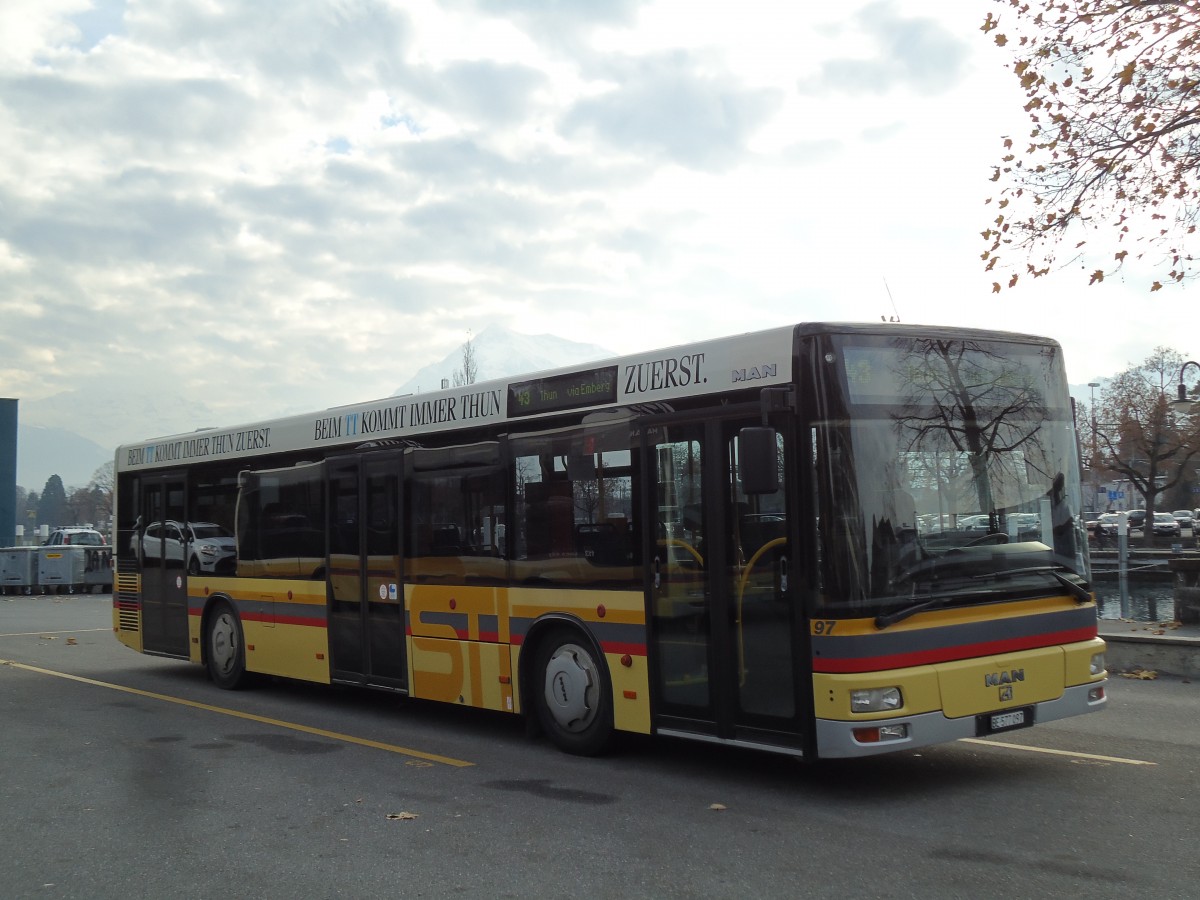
(741, 593)
(676, 542)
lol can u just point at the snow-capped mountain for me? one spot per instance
(500, 353)
(42, 452)
(73, 433)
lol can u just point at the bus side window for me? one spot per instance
(574, 518)
(280, 516)
(455, 526)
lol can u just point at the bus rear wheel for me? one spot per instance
(573, 697)
(225, 649)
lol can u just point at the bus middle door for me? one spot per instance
(365, 589)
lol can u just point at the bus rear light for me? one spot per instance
(876, 700)
(879, 734)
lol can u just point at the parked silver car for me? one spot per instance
(1166, 525)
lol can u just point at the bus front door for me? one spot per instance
(364, 581)
(163, 567)
(721, 595)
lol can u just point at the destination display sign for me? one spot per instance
(560, 392)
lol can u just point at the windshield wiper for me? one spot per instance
(1078, 591)
(883, 620)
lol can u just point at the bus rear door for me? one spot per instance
(161, 555)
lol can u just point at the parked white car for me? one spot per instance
(80, 535)
(206, 546)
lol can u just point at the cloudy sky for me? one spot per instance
(266, 207)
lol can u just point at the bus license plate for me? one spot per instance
(994, 723)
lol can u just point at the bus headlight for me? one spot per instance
(871, 700)
(1098, 664)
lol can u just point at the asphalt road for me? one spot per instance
(128, 776)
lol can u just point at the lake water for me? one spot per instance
(1149, 601)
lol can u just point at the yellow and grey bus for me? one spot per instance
(824, 540)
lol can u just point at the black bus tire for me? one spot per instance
(572, 694)
(225, 648)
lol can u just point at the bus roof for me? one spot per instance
(755, 359)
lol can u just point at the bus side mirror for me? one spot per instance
(758, 458)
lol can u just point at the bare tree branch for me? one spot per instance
(1139, 437)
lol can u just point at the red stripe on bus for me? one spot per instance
(631, 649)
(312, 621)
(283, 620)
(950, 654)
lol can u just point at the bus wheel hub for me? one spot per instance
(568, 681)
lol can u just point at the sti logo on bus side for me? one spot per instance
(995, 679)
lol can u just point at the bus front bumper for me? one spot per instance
(843, 740)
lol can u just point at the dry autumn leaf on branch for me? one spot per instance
(1108, 167)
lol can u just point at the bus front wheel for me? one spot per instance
(574, 700)
(225, 649)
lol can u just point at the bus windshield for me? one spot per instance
(946, 473)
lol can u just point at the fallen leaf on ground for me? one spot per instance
(402, 815)
(1141, 674)
(718, 806)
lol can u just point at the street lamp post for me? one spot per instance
(1183, 407)
(1182, 404)
(1095, 452)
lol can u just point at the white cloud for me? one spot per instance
(275, 207)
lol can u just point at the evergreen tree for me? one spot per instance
(52, 506)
